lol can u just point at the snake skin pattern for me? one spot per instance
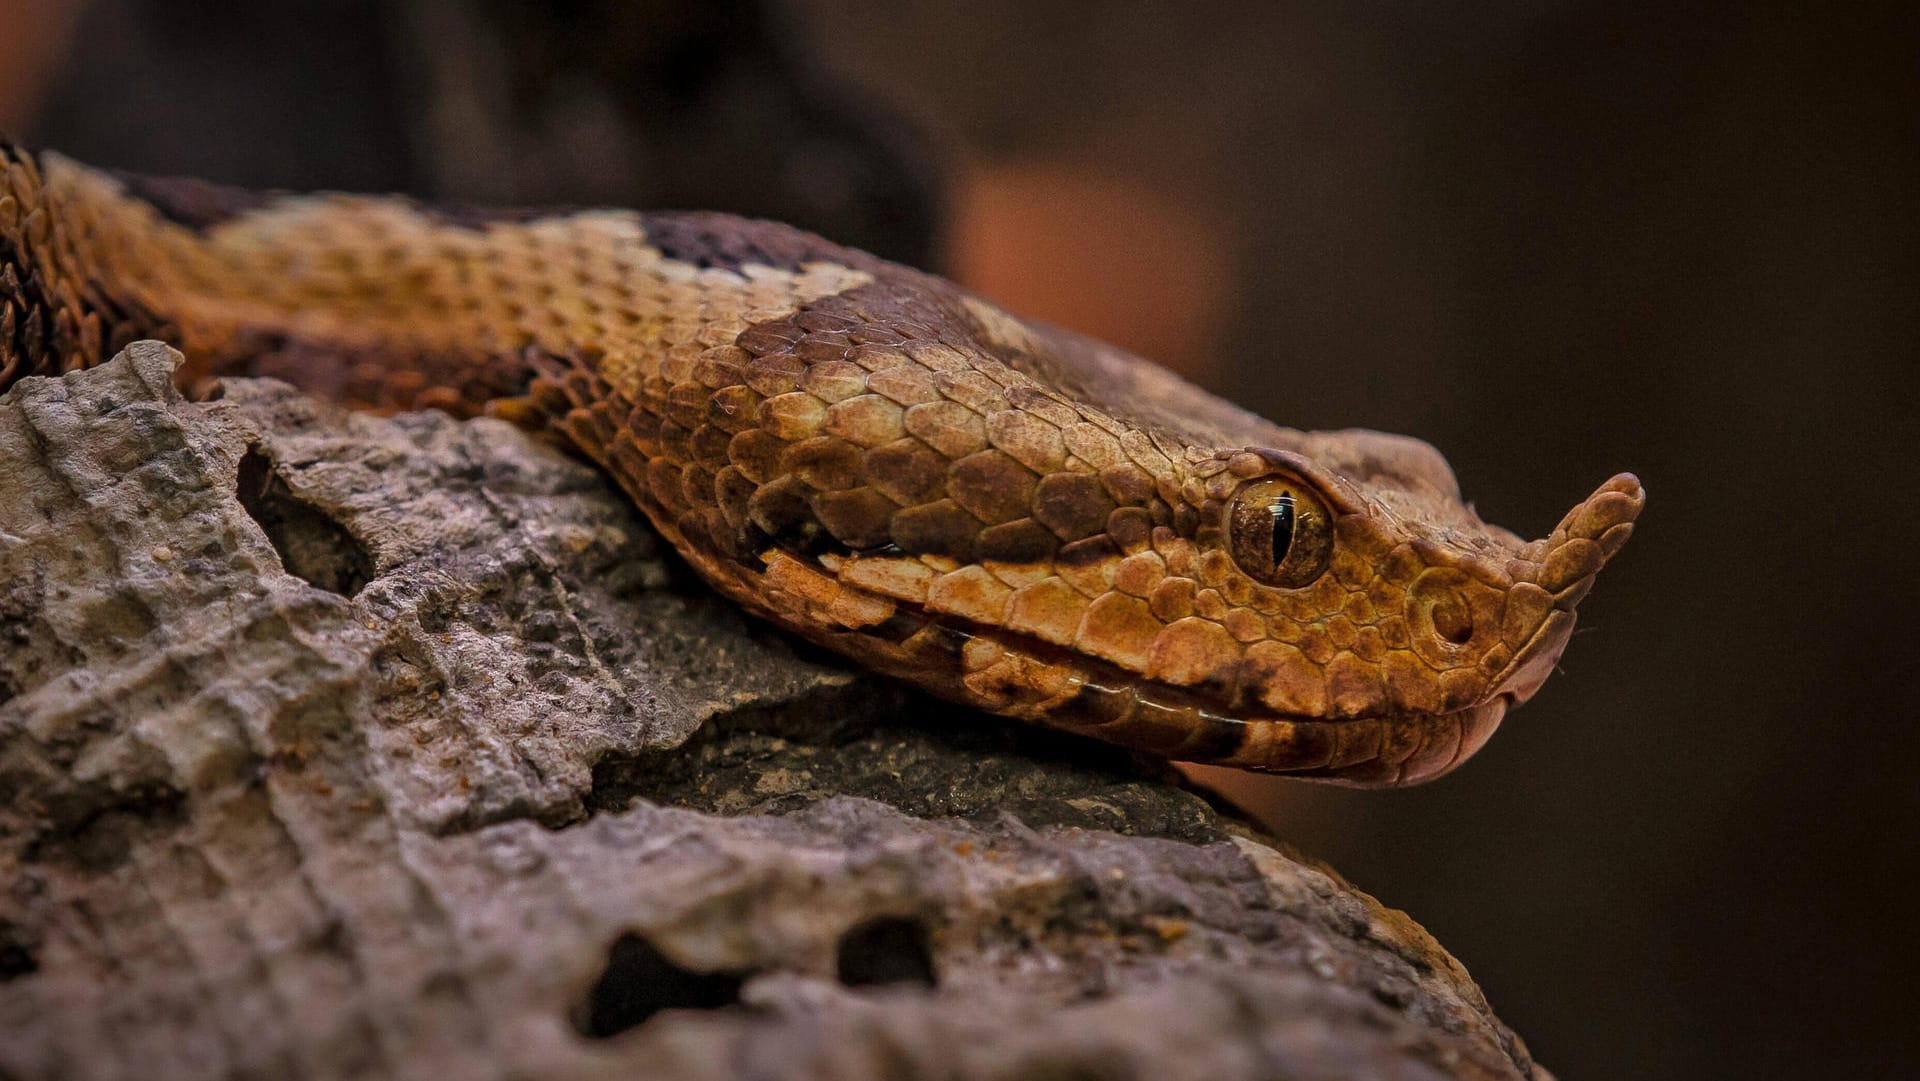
(1003, 513)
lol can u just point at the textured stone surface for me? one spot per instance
(342, 746)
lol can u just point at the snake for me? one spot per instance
(1004, 513)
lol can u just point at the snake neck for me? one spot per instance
(52, 318)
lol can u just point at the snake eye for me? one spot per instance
(1279, 532)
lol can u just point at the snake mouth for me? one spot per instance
(1370, 751)
(1099, 699)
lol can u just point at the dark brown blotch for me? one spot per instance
(1129, 484)
(783, 511)
(644, 426)
(908, 471)
(728, 243)
(821, 348)
(722, 366)
(583, 429)
(768, 338)
(757, 454)
(1028, 438)
(991, 486)
(627, 462)
(877, 333)
(697, 482)
(1024, 541)
(663, 480)
(734, 408)
(821, 321)
(1131, 528)
(857, 518)
(709, 444)
(1044, 404)
(732, 491)
(687, 404)
(1073, 505)
(773, 374)
(940, 528)
(195, 204)
(676, 442)
(823, 462)
(1083, 554)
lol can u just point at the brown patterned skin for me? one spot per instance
(1005, 514)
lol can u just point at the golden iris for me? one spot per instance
(1279, 532)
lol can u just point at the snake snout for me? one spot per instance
(1564, 562)
(1553, 575)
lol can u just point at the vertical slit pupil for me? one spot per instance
(1282, 511)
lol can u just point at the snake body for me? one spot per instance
(1004, 513)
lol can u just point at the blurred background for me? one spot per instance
(1557, 239)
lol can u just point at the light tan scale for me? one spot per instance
(1005, 514)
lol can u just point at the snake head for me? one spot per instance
(1382, 629)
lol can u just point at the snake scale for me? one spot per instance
(1004, 513)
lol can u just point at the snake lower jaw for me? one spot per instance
(1037, 682)
(1359, 752)
(1371, 751)
(1413, 749)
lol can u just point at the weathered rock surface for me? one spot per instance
(337, 746)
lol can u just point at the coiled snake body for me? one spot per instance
(1006, 514)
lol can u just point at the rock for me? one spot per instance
(334, 745)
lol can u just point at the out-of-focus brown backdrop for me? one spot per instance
(1555, 239)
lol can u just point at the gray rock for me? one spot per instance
(340, 746)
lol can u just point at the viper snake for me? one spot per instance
(1003, 513)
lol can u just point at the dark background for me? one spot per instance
(1556, 239)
